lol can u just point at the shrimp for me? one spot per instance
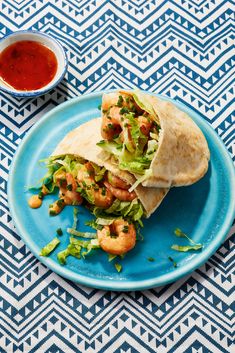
(69, 192)
(120, 194)
(116, 182)
(111, 116)
(60, 178)
(86, 174)
(145, 124)
(109, 129)
(103, 197)
(118, 238)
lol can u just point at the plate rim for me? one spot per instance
(114, 284)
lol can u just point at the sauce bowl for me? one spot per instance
(49, 42)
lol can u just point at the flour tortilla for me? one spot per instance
(183, 154)
(82, 142)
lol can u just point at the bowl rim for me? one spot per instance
(34, 93)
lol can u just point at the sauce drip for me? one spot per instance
(27, 65)
(35, 201)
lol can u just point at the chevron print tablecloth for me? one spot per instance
(182, 49)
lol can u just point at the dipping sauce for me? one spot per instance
(35, 201)
(27, 65)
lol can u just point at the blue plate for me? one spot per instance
(204, 210)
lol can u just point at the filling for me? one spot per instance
(130, 129)
(118, 211)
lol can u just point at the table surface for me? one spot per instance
(181, 49)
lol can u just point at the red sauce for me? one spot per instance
(27, 65)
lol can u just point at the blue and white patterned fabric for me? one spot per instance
(179, 48)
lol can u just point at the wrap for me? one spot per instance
(183, 154)
(82, 142)
(153, 139)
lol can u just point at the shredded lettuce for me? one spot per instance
(111, 147)
(94, 244)
(47, 180)
(62, 255)
(154, 136)
(82, 243)
(87, 194)
(138, 137)
(46, 250)
(87, 235)
(99, 172)
(178, 232)
(185, 248)
(133, 210)
(93, 224)
(151, 149)
(147, 174)
(75, 250)
(75, 217)
(104, 221)
(70, 163)
(136, 166)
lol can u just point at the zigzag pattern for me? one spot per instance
(182, 49)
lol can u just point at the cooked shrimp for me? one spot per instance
(109, 129)
(103, 197)
(111, 116)
(86, 174)
(71, 181)
(116, 182)
(120, 194)
(68, 193)
(60, 178)
(145, 124)
(70, 197)
(118, 238)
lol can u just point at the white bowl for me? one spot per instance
(49, 42)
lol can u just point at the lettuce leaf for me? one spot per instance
(132, 210)
(147, 174)
(75, 217)
(141, 100)
(99, 172)
(184, 248)
(111, 147)
(87, 235)
(62, 255)
(46, 250)
(75, 250)
(94, 244)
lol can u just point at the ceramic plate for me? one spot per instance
(204, 210)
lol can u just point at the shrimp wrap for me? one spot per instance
(152, 139)
(81, 143)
